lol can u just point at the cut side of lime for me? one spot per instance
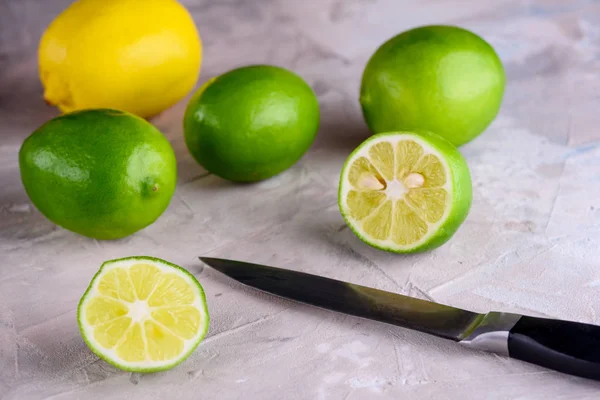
(405, 192)
(143, 314)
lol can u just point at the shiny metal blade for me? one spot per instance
(425, 316)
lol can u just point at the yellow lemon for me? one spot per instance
(131, 55)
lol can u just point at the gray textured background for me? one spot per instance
(530, 243)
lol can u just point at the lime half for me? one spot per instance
(143, 314)
(405, 192)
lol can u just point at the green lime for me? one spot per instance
(100, 173)
(442, 79)
(143, 314)
(251, 123)
(405, 192)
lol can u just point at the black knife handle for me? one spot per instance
(565, 346)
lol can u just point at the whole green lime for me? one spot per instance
(101, 173)
(443, 79)
(251, 123)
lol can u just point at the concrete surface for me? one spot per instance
(530, 243)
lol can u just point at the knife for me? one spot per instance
(566, 346)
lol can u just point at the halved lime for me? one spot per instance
(405, 192)
(143, 314)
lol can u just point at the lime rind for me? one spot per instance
(144, 366)
(458, 187)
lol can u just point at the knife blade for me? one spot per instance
(566, 346)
